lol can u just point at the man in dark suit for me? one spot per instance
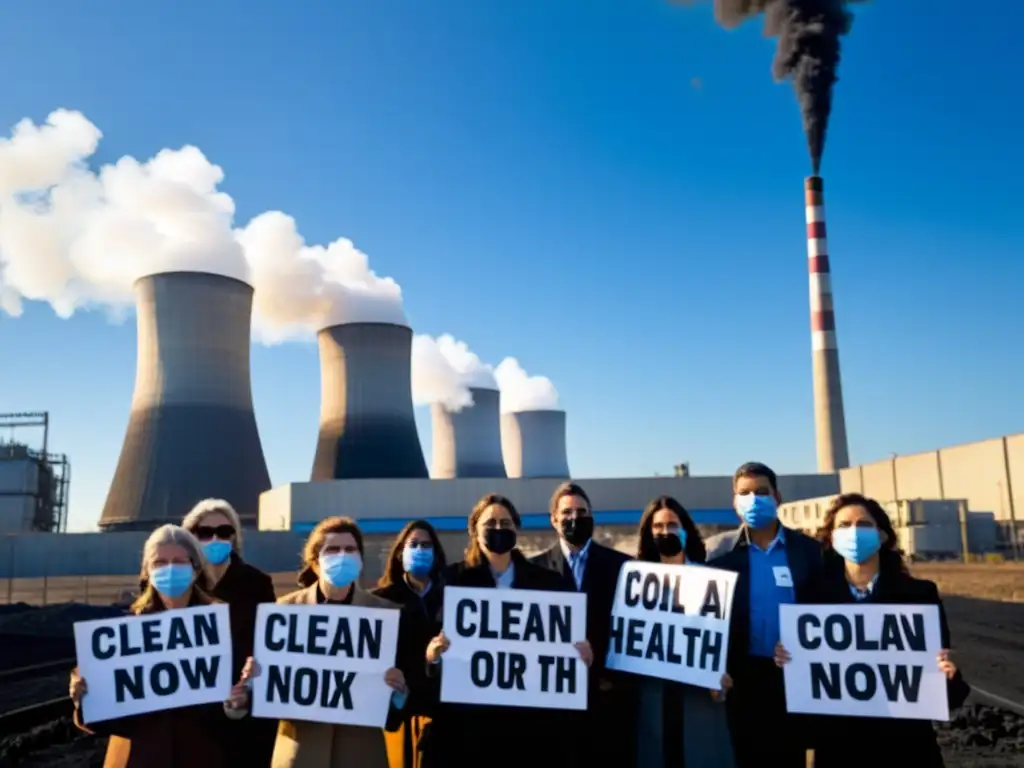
(593, 569)
(775, 566)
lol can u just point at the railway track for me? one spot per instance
(33, 695)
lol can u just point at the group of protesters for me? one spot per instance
(629, 720)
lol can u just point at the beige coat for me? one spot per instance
(318, 745)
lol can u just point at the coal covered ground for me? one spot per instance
(988, 643)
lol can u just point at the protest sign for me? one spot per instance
(324, 663)
(514, 648)
(672, 622)
(866, 660)
(166, 660)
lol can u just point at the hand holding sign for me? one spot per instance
(77, 688)
(946, 667)
(586, 652)
(396, 680)
(437, 646)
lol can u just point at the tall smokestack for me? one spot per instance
(467, 442)
(367, 426)
(533, 443)
(192, 432)
(829, 421)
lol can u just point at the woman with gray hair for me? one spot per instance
(174, 572)
(215, 523)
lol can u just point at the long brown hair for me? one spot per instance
(645, 549)
(890, 556)
(311, 551)
(473, 556)
(394, 571)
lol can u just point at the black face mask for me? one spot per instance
(577, 530)
(668, 544)
(500, 541)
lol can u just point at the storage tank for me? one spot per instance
(367, 425)
(467, 442)
(533, 444)
(192, 432)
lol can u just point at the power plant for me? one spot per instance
(829, 420)
(367, 426)
(467, 443)
(533, 444)
(192, 432)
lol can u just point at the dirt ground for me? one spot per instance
(984, 605)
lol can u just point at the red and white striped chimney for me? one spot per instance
(829, 421)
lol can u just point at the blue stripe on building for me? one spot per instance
(534, 521)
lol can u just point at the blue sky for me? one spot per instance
(545, 181)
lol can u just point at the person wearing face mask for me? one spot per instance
(215, 523)
(333, 562)
(173, 569)
(412, 579)
(465, 735)
(775, 565)
(678, 725)
(591, 568)
(863, 565)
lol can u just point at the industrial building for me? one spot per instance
(192, 431)
(34, 483)
(467, 442)
(367, 423)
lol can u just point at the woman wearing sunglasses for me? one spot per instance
(215, 524)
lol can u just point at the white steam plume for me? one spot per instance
(522, 392)
(444, 369)
(74, 237)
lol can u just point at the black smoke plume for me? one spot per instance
(808, 52)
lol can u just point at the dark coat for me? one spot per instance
(420, 622)
(190, 737)
(611, 695)
(881, 742)
(249, 741)
(728, 551)
(466, 736)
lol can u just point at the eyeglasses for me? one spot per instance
(209, 531)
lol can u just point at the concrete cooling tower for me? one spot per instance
(533, 444)
(467, 443)
(192, 432)
(367, 427)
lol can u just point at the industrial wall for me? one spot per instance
(989, 474)
(19, 482)
(383, 506)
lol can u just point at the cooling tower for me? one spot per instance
(829, 421)
(533, 444)
(192, 432)
(467, 443)
(367, 427)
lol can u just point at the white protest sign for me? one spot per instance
(514, 648)
(324, 663)
(865, 660)
(166, 660)
(672, 622)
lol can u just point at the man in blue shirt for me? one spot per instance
(775, 565)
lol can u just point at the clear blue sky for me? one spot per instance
(545, 181)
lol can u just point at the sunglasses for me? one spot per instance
(210, 531)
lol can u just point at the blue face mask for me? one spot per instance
(756, 511)
(217, 551)
(172, 580)
(856, 544)
(341, 570)
(417, 560)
